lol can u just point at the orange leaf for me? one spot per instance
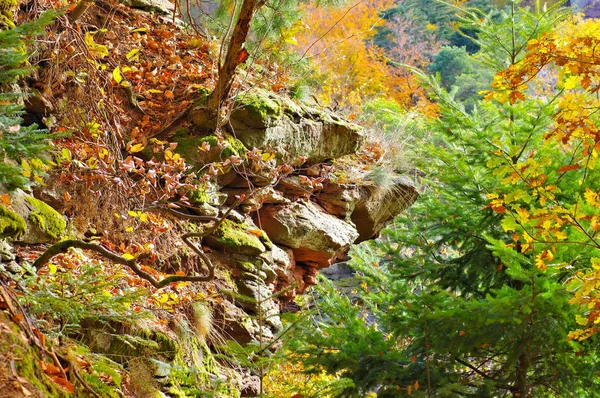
(256, 232)
(5, 198)
(50, 369)
(64, 383)
(17, 318)
(169, 94)
(244, 54)
(568, 167)
(67, 196)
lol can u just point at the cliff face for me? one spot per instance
(289, 191)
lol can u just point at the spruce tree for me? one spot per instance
(446, 304)
(18, 142)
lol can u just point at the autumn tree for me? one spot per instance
(470, 293)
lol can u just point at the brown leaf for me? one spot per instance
(66, 384)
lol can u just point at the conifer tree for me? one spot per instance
(451, 304)
(18, 142)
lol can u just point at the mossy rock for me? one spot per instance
(46, 218)
(259, 108)
(221, 148)
(237, 238)
(11, 224)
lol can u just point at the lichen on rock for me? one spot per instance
(11, 224)
(238, 238)
(46, 218)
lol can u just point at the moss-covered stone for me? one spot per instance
(7, 9)
(11, 224)
(237, 238)
(199, 195)
(46, 218)
(260, 105)
(194, 149)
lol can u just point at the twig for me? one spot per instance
(82, 381)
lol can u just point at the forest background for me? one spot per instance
(487, 286)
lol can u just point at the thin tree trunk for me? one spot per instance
(235, 55)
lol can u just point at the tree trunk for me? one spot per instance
(236, 54)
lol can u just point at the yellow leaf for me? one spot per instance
(560, 235)
(572, 81)
(133, 54)
(268, 156)
(128, 229)
(117, 75)
(523, 215)
(590, 197)
(128, 256)
(51, 269)
(136, 148)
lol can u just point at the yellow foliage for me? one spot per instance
(288, 380)
(356, 72)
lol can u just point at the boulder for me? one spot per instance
(158, 6)
(242, 238)
(44, 224)
(339, 199)
(315, 237)
(375, 209)
(11, 223)
(6, 251)
(265, 120)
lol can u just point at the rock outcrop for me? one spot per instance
(266, 121)
(293, 225)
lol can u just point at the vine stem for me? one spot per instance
(63, 246)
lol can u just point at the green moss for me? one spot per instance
(11, 224)
(12, 346)
(234, 147)
(261, 105)
(45, 217)
(236, 238)
(8, 5)
(199, 195)
(189, 146)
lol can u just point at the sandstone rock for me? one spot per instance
(315, 237)
(199, 151)
(261, 196)
(296, 186)
(263, 120)
(158, 6)
(339, 199)
(372, 212)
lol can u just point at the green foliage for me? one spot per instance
(62, 299)
(18, 142)
(450, 62)
(446, 303)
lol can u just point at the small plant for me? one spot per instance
(62, 300)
